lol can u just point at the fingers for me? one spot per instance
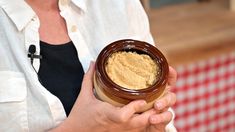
(87, 83)
(169, 98)
(172, 76)
(126, 112)
(166, 101)
(162, 118)
(159, 121)
(141, 120)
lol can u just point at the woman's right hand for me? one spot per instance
(90, 114)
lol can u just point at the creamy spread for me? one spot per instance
(132, 70)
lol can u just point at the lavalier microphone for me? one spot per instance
(31, 53)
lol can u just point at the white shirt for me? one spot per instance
(25, 105)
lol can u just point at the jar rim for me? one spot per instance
(132, 45)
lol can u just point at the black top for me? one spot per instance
(61, 72)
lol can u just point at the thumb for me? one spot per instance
(87, 83)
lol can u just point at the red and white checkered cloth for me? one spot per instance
(206, 95)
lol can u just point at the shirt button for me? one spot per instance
(64, 2)
(73, 28)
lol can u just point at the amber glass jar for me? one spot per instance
(106, 90)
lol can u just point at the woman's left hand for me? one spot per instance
(162, 116)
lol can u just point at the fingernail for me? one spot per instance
(91, 64)
(143, 103)
(159, 105)
(153, 120)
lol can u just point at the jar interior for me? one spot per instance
(140, 52)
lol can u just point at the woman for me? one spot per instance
(68, 35)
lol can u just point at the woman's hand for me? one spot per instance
(162, 117)
(89, 114)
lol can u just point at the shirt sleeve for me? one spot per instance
(138, 21)
(170, 127)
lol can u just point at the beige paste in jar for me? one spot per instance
(132, 70)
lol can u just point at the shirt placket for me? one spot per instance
(76, 36)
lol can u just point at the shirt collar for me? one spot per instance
(81, 4)
(21, 13)
(18, 11)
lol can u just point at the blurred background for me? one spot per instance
(198, 39)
